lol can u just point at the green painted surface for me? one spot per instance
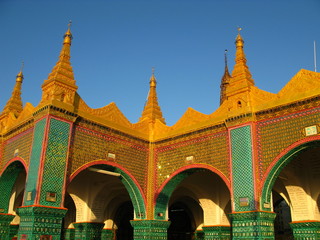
(55, 162)
(7, 181)
(252, 225)
(5, 220)
(164, 196)
(36, 221)
(217, 233)
(243, 187)
(306, 230)
(88, 230)
(107, 234)
(34, 162)
(150, 229)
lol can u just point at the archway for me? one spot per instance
(105, 196)
(294, 181)
(12, 185)
(199, 196)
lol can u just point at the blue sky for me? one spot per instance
(116, 44)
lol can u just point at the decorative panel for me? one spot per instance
(275, 135)
(211, 149)
(55, 163)
(34, 162)
(89, 145)
(242, 180)
(19, 145)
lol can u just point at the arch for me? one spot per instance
(164, 193)
(8, 178)
(279, 163)
(131, 184)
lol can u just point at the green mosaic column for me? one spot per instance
(252, 225)
(216, 232)
(14, 230)
(306, 230)
(150, 229)
(39, 221)
(107, 234)
(88, 230)
(5, 220)
(69, 234)
(45, 182)
(247, 223)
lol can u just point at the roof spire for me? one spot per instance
(152, 109)
(225, 79)
(61, 73)
(14, 104)
(241, 71)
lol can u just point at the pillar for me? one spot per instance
(252, 225)
(5, 220)
(42, 211)
(150, 229)
(306, 230)
(107, 234)
(88, 230)
(40, 222)
(69, 234)
(216, 232)
(14, 230)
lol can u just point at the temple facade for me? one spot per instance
(249, 170)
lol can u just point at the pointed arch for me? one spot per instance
(280, 162)
(131, 184)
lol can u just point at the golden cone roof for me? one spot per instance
(14, 104)
(63, 71)
(152, 109)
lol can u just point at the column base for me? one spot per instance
(306, 230)
(37, 222)
(69, 233)
(252, 225)
(88, 230)
(5, 220)
(150, 229)
(216, 232)
(107, 234)
(199, 235)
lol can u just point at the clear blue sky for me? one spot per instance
(116, 44)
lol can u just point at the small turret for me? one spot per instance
(225, 79)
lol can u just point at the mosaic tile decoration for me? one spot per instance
(89, 145)
(55, 163)
(32, 177)
(19, 145)
(211, 149)
(275, 135)
(243, 187)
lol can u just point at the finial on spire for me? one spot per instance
(239, 29)
(239, 40)
(68, 36)
(225, 57)
(20, 74)
(153, 81)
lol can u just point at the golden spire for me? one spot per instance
(152, 109)
(14, 104)
(61, 84)
(62, 71)
(225, 79)
(241, 73)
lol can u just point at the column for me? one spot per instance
(5, 220)
(107, 234)
(247, 221)
(42, 211)
(88, 230)
(306, 230)
(150, 229)
(216, 232)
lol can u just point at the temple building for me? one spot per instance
(249, 170)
